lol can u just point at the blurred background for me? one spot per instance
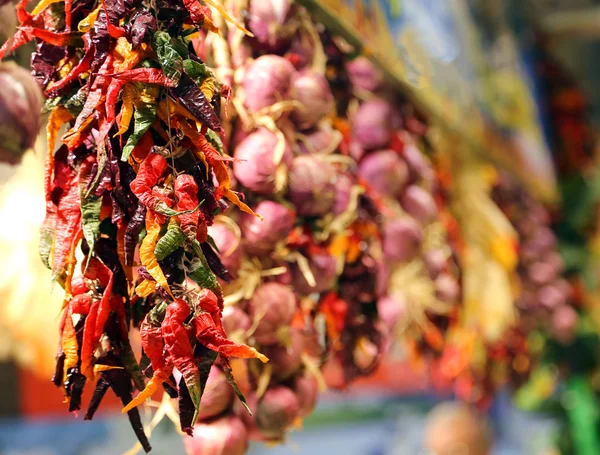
(551, 47)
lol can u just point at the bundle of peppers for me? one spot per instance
(138, 177)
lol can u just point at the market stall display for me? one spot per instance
(245, 209)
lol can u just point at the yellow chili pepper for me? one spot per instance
(42, 5)
(87, 22)
(147, 251)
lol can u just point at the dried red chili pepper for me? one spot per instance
(180, 350)
(134, 227)
(214, 338)
(113, 30)
(186, 192)
(80, 304)
(112, 95)
(144, 75)
(103, 309)
(81, 67)
(150, 171)
(68, 225)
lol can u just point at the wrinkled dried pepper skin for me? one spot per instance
(186, 192)
(171, 241)
(134, 227)
(177, 343)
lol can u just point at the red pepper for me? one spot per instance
(150, 171)
(197, 12)
(96, 270)
(143, 147)
(96, 318)
(144, 75)
(68, 14)
(335, 311)
(180, 349)
(214, 338)
(103, 309)
(80, 304)
(186, 192)
(68, 225)
(226, 92)
(81, 67)
(19, 39)
(209, 303)
(22, 14)
(153, 344)
(88, 346)
(78, 285)
(113, 30)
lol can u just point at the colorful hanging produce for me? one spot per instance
(360, 239)
(134, 169)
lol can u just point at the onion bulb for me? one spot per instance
(273, 305)
(20, 105)
(385, 172)
(276, 411)
(224, 436)
(217, 395)
(311, 90)
(311, 186)
(267, 81)
(256, 165)
(261, 236)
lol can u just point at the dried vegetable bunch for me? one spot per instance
(419, 275)
(545, 298)
(353, 245)
(540, 302)
(130, 193)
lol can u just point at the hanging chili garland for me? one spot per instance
(139, 110)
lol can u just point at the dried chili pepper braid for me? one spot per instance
(118, 75)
